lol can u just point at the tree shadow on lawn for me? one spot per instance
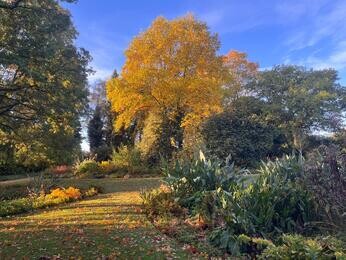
(109, 225)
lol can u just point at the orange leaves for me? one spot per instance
(238, 63)
(65, 194)
(241, 70)
(73, 193)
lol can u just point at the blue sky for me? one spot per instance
(304, 32)
(311, 33)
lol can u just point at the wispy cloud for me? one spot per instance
(327, 22)
(107, 50)
(336, 59)
(230, 17)
(318, 38)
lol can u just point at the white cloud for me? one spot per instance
(336, 59)
(213, 17)
(100, 74)
(326, 22)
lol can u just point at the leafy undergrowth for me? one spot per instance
(55, 197)
(172, 220)
(109, 225)
(191, 234)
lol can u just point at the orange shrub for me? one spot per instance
(65, 194)
(58, 193)
(73, 193)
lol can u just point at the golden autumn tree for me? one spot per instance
(173, 72)
(241, 71)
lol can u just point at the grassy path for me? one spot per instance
(109, 225)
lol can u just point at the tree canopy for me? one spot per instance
(302, 100)
(171, 70)
(171, 67)
(43, 76)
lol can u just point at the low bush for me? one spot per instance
(11, 169)
(299, 247)
(16, 206)
(243, 216)
(190, 181)
(160, 202)
(55, 197)
(325, 178)
(276, 202)
(108, 167)
(127, 157)
(87, 168)
(60, 171)
(238, 245)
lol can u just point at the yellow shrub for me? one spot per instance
(65, 194)
(107, 167)
(73, 193)
(58, 193)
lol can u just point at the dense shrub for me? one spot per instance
(243, 132)
(61, 170)
(276, 202)
(299, 247)
(107, 167)
(16, 206)
(125, 162)
(325, 178)
(11, 169)
(55, 197)
(238, 244)
(160, 202)
(192, 181)
(241, 213)
(127, 157)
(87, 167)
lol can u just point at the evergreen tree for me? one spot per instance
(95, 130)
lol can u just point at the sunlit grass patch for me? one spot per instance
(110, 224)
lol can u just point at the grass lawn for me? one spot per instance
(111, 224)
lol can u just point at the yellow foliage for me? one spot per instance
(58, 193)
(107, 167)
(73, 193)
(170, 68)
(65, 194)
(241, 70)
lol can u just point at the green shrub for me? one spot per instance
(160, 202)
(107, 167)
(299, 247)
(243, 131)
(238, 245)
(276, 202)
(15, 206)
(92, 191)
(127, 157)
(11, 169)
(87, 167)
(190, 180)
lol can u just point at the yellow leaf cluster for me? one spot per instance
(171, 67)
